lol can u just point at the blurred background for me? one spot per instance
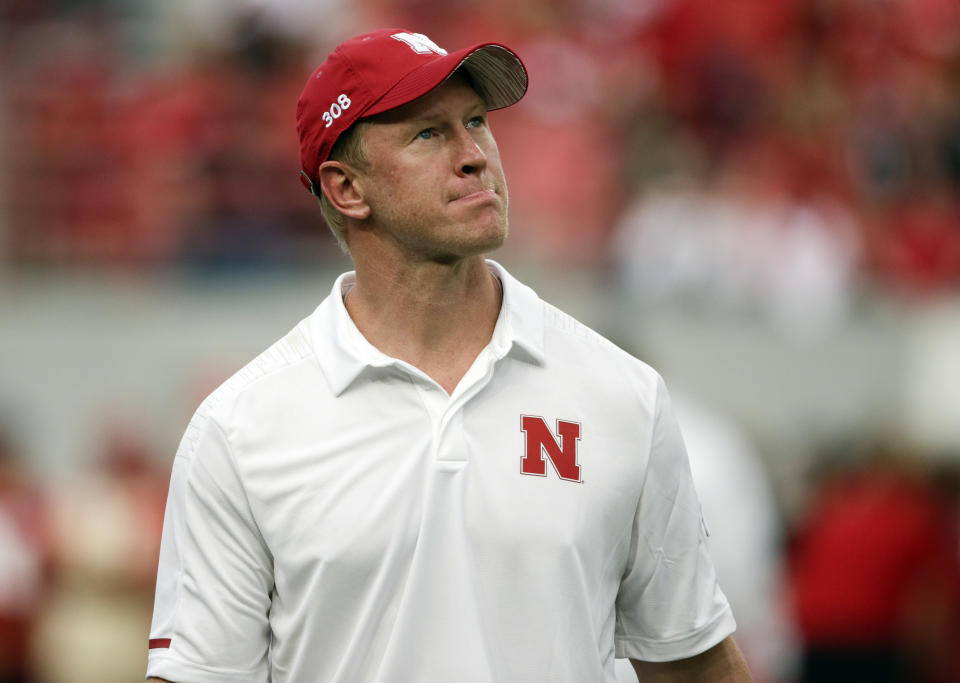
(760, 198)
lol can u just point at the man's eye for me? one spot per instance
(475, 121)
(425, 134)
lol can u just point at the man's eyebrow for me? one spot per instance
(412, 119)
(439, 113)
(424, 117)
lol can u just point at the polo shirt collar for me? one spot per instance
(519, 329)
(345, 354)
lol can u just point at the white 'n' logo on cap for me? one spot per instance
(419, 43)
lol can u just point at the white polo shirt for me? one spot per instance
(335, 516)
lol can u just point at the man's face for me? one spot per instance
(434, 181)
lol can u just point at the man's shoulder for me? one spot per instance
(272, 374)
(283, 356)
(574, 334)
(576, 347)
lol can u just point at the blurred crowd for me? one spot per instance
(78, 562)
(739, 150)
(860, 583)
(775, 156)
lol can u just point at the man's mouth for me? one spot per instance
(479, 195)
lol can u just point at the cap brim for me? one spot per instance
(496, 71)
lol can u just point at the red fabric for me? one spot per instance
(875, 544)
(919, 247)
(379, 71)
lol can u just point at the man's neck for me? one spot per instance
(437, 317)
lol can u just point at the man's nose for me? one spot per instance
(471, 158)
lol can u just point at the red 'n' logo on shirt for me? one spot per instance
(539, 441)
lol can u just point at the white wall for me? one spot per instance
(76, 348)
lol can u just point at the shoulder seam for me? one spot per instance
(566, 323)
(288, 350)
(563, 321)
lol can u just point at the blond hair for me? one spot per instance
(350, 149)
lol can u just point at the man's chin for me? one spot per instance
(491, 242)
(480, 245)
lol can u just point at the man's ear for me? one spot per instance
(339, 183)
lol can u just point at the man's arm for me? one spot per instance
(215, 573)
(723, 663)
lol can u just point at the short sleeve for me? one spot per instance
(214, 579)
(669, 605)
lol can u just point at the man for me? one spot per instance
(436, 476)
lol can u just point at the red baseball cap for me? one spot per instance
(378, 71)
